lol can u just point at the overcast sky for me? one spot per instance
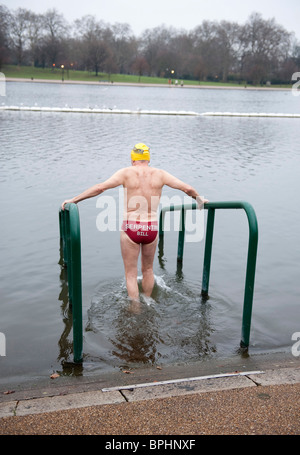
(186, 14)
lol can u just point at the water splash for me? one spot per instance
(172, 325)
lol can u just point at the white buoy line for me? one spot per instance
(145, 112)
(249, 114)
(95, 110)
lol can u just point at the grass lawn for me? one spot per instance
(30, 72)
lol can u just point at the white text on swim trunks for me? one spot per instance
(141, 227)
(112, 215)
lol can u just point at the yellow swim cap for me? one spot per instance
(140, 152)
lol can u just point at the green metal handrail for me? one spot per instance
(251, 257)
(69, 227)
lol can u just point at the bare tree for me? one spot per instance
(206, 49)
(140, 66)
(228, 46)
(256, 51)
(93, 35)
(295, 52)
(181, 53)
(124, 46)
(265, 44)
(35, 34)
(4, 34)
(19, 21)
(156, 47)
(56, 31)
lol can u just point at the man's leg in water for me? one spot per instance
(130, 253)
(148, 252)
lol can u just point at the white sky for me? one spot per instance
(186, 14)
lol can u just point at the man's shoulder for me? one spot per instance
(160, 172)
(124, 170)
(157, 170)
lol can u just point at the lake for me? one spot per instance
(47, 157)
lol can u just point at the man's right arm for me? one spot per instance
(115, 180)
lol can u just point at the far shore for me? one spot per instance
(142, 84)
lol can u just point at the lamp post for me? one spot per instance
(170, 75)
(62, 72)
(172, 72)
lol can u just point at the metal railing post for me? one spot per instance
(70, 236)
(251, 256)
(181, 235)
(250, 274)
(207, 251)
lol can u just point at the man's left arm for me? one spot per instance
(176, 183)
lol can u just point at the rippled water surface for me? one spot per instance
(47, 157)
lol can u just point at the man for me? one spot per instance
(142, 187)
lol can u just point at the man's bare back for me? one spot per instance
(143, 187)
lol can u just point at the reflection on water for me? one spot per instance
(65, 342)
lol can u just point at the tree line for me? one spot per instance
(257, 51)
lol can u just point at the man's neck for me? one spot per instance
(140, 163)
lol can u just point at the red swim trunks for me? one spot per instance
(141, 231)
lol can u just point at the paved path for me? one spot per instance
(240, 403)
(269, 410)
(142, 84)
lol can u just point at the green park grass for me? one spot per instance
(30, 72)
